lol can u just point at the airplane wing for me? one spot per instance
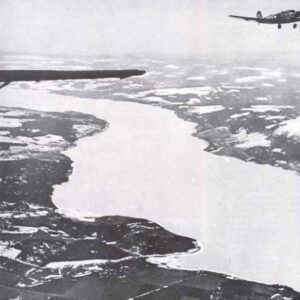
(246, 18)
(8, 76)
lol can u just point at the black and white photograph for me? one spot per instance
(149, 149)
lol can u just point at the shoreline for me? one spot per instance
(237, 167)
(150, 225)
(219, 138)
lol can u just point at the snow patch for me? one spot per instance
(13, 114)
(164, 261)
(233, 87)
(273, 74)
(250, 68)
(265, 108)
(250, 79)
(196, 78)
(271, 118)
(171, 75)
(264, 76)
(7, 139)
(233, 91)
(10, 122)
(84, 130)
(289, 128)
(156, 99)
(21, 230)
(172, 67)
(200, 110)
(4, 132)
(268, 84)
(193, 101)
(78, 263)
(199, 91)
(268, 98)
(236, 116)
(250, 140)
(8, 252)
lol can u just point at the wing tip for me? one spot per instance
(243, 18)
(4, 84)
(133, 73)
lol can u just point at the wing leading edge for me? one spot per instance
(8, 76)
(259, 20)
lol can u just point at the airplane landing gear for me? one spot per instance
(295, 26)
(279, 26)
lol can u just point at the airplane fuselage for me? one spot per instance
(284, 17)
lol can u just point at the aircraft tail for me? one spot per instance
(259, 15)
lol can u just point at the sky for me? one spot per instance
(179, 27)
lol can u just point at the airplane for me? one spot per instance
(8, 76)
(284, 17)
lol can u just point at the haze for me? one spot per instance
(181, 27)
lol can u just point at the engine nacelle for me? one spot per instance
(259, 15)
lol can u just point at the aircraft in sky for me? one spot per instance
(8, 76)
(284, 17)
